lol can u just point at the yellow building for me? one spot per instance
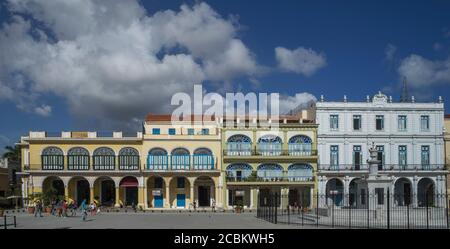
(4, 180)
(447, 147)
(169, 165)
(214, 161)
(260, 158)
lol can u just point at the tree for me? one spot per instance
(12, 153)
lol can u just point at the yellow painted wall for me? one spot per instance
(37, 147)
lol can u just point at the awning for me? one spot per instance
(129, 181)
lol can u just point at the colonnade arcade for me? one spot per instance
(153, 191)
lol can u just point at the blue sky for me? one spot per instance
(348, 41)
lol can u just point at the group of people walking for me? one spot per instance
(61, 208)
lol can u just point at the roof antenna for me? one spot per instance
(404, 96)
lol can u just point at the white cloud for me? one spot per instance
(110, 60)
(421, 72)
(295, 103)
(301, 60)
(43, 110)
(390, 52)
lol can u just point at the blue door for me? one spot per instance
(181, 200)
(159, 201)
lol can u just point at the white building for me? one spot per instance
(408, 137)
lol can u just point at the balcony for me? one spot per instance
(269, 149)
(180, 162)
(384, 167)
(267, 176)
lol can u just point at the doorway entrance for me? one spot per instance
(131, 194)
(203, 196)
(83, 191)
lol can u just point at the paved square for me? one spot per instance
(150, 220)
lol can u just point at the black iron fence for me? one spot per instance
(379, 210)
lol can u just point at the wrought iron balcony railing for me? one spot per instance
(257, 152)
(180, 162)
(95, 167)
(382, 167)
(265, 176)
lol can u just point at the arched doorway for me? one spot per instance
(334, 192)
(129, 190)
(79, 189)
(179, 192)
(425, 192)
(204, 192)
(402, 192)
(357, 193)
(53, 188)
(156, 191)
(105, 191)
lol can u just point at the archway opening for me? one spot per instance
(180, 192)
(402, 192)
(425, 192)
(104, 191)
(52, 189)
(79, 189)
(334, 192)
(156, 191)
(204, 191)
(129, 186)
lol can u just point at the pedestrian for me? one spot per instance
(83, 210)
(38, 209)
(53, 207)
(213, 205)
(64, 209)
(92, 208)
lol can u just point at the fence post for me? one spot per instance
(317, 210)
(332, 210)
(368, 209)
(407, 213)
(349, 215)
(388, 209)
(4, 221)
(446, 208)
(276, 206)
(288, 214)
(15, 224)
(426, 201)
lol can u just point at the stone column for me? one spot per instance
(167, 204)
(117, 197)
(251, 198)
(346, 191)
(66, 192)
(191, 193)
(91, 194)
(414, 191)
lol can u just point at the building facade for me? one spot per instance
(259, 158)
(447, 147)
(168, 165)
(408, 138)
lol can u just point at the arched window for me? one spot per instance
(128, 159)
(157, 159)
(239, 145)
(238, 172)
(104, 159)
(78, 159)
(157, 152)
(269, 145)
(203, 159)
(180, 159)
(270, 172)
(300, 145)
(52, 158)
(300, 172)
